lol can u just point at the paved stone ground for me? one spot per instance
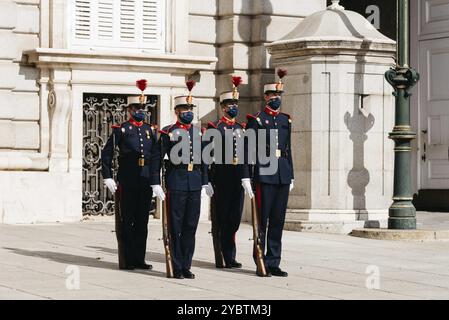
(34, 260)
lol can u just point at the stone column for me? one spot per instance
(342, 111)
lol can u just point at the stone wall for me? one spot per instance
(32, 138)
(237, 31)
(19, 93)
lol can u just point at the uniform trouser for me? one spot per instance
(135, 206)
(272, 203)
(184, 213)
(228, 207)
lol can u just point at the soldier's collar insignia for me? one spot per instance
(271, 112)
(135, 123)
(183, 126)
(228, 121)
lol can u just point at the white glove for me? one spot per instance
(111, 185)
(208, 189)
(292, 185)
(158, 192)
(246, 183)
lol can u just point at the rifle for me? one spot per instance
(219, 260)
(165, 223)
(257, 242)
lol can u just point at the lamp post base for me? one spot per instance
(402, 217)
(395, 223)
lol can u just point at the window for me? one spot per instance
(133, 24)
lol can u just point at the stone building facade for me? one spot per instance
(61, 59)
(54, 52)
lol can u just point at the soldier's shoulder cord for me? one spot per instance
(288, 117)
(242, 124)
(166, 130)
(154, 129)
(115, 128)
(213, 124)
(289, 146)
(256, 117)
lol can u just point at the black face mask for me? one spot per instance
(275, 103)
(233, 111)
(138, 115)
(186, 117)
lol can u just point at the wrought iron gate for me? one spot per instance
(100, 112)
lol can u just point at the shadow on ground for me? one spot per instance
(160, 258)
(78, 260)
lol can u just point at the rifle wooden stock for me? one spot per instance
(219, 260)
(256, 236)
(166, 238)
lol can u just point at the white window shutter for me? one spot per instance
(106, 19)
(151, 22)
(128, 12)
(83, 19)
(125, 24)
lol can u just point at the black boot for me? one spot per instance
(277, 272)
(144, 266)
(127, 267)
(233, 264)
(188, 275)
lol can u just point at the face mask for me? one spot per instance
(275, 103)
(233, 111)
(186, 117)
(138, 115)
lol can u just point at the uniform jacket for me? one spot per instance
(177, 176)
(135, 141)
(227, 173)
(266, 120)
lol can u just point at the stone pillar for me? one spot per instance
(60, 107)
(342, 111)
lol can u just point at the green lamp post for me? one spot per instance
(402, 213)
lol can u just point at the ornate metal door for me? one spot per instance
(100, 112)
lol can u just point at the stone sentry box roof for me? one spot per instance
(333, 29)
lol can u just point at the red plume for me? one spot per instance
(141, 84)
(236, 81)
(190, 84)
(282, 73)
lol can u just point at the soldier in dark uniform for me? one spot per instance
(226, 179)
(186, 176)
(137, 143)
(272, 190)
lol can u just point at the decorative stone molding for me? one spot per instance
(104, 60)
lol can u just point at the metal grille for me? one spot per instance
(100, 112)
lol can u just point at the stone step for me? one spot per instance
(408, 235)
(336, 227)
